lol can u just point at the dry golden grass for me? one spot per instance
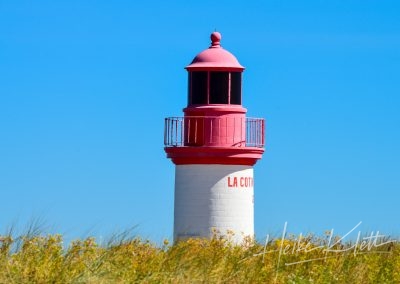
(43, 259)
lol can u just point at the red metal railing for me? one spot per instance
(214, 131)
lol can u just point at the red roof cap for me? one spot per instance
(215, 58)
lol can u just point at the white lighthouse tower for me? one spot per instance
(214, 147)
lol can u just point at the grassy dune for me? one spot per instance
(43, 259)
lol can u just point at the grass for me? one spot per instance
(36, 258)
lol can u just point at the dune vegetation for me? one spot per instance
(37, 258)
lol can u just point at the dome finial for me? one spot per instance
(216, 39)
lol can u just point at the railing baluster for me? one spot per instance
(252, 132)
(234, 127)
(226, 129)
(181, 128)
(211, 130)
(195, 131)
(187, 120)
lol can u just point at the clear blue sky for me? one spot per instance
(85, 87)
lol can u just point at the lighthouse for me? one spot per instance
(214, 147)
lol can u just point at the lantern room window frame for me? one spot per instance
(211, 88)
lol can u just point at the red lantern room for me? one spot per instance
(214, 129)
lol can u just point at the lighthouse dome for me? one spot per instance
(215, 58)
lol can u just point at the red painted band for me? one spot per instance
(214, 155)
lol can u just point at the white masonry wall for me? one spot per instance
(213, 196)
